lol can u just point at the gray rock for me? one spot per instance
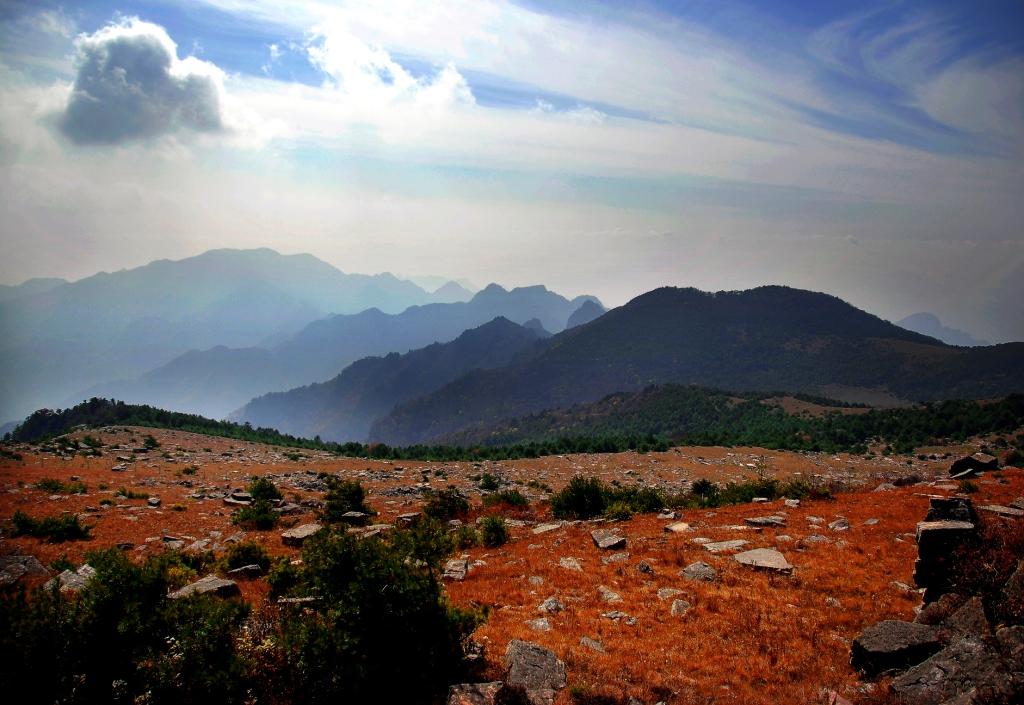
(153, 501)
(892, 645)
(72, 581)
(792, 503)
(811, 519)
(839, 524)
(678, 527)
(615, 558)
(970, 619)
(474, 693)
(645, 568)
(967, 663)
(1009, 512)
(534, 669)
(570, 563)
(724, 546)
(297, 536)
(608, 595)
(773, 520)
(14, 567)
(679, 607)
(210, 585)
(607, 540)
(764, 559)
(541, 624)
(545, 528)
(700, 571)
(935, 613)
(619, 616)
(592, 644)
(246, 571)
(668, 593)
(870, 522)
(552, 605)
(455, 569)
(1013, 594)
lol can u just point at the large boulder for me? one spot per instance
(13, 567)
(1012, 595)
(607, 540)
(700, 571)
(893, 645)
(298, 535)
(967, 664)
(973, 464)
(764, 559)
(534, 669)
(937, 541)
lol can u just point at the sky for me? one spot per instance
(874, 151)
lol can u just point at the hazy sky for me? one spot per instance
(874, 151)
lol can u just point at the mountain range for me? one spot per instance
(217, 381)
(344, 408)
(930, 325)
(768, 338)
(61, 337)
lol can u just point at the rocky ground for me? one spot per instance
(681, 609)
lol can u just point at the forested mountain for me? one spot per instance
(218, 381)
(769, 338)
(343, 408)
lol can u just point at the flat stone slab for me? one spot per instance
(773, 520)
(764, 559)
(210, 585)
(607, 540)
(700, 571)
(679, 527)
(892, 645)
(298, 535)
(569, 563)
(724, 546)
(545, 528)
(456, 569)
(1003, 511)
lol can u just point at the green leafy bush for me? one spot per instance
(54, 486)
(446, 504)
(618, 511)
(344, 496)
(264, 488)
(511, 498)
(582, 498)
(56, 529)
(246, 553)
(493, 532)
(466, 537)
(488, 482)
(259, 515)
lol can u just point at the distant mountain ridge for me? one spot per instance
(217, 382)
(930, 325)
(770, 338)
(344, 408)
(62, 337)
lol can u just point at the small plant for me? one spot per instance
(466, 537)
(56, 529)
(618, 511)
(511, 498)
(128, 494)
(446, 505)
(968, 487)
(177, 507)
(488, 482)
(150, 442)
(190, 470)
(264, 488)
(106, 502)
(582, 498)
(246, 553)
(344, 496)
(493, 532)
(62, 563)
(259, 515)
(53, 486)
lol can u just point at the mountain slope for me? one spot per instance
(769, 338)
(28, 288)
(325, 347)
(67, 337)
(343, 408)
(585, 314)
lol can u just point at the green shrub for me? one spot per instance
(54, 486)
(150, 442)
(128, 494)
(446, 505)
(264, 488)
(427, 541)
(640, 500)
(582, 498)
(488, 482)
(618, 511)
(344, 496)
(190, 470)
(56, 529)
(282, 577)
(259, 515)
(246, 553)
(493, 532)
(346, 649)
(466, 537)
(511, 498)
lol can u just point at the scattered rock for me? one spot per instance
(891, 645)
(679, 608)
(724, 546)
(72, 580)
(970, 619)
(645, 568)
(13, 567)
(246, 571)
(592, 644)
(679, 527)
(544, 528)
(475, 693)
(210, 585)
(966, 664)
(1002, 511)
(668, 593)
(615, 558)
(534, 669)
(608, 595)
(298, 535)
(700, 571)
(764, 559)
(839, 524)
(773, 520)
(552, 605)
(455, 569)
(979, 462)
(618, 616)
(870, 522)
(792, 503)
(607, 540)
(570, 563)
(541, 624)
(153, 501)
